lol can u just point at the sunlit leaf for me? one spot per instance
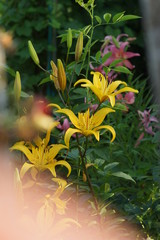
(123, 175)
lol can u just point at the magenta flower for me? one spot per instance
(63, 127)
(118, 53)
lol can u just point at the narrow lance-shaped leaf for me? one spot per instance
(129, 17)
(117, 17)
(123, 175)
(122, 69)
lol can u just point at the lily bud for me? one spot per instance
(33, 53)
(61, 75)
(79, 47)
(17, 87)
(69, 38)
(54, 75)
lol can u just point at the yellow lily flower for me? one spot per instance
(87, 125)
(41, 156)
(104, 90)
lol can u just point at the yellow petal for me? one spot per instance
(51, 167)
(112, 99)
(69, 133)
(98, 78)
(71, 116)
(45, 216)
(93, 88)
(46, 140)
(54, 150)
(126, 89)
(91, 132)
(113, 86)
(99, 116)
(111, 129)
(38, 141)
(82, 81)
(26, 166)
(19, 146)
(66, 164)
(54, 105)
(62, 184)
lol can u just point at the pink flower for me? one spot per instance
(118, 53)
(66, 124)
(129, 98)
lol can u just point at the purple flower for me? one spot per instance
(146, 120)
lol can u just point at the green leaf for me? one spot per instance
(9, 70)
(115, 62)
(99, 161)
(110, 166)
(119, 106)
(107, 17)
(80, 107)
(122, 69)
(129, 17)
(123, 175)
(78, 69)
(87, 29)
(117, 17)
(106, 56)
(115, 42)
(98, 19)
(44, 80)
(98, 55)
(25, 95)
(107, 70)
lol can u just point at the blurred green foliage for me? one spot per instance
(42, 21)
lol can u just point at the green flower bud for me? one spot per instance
(69, 38)
(61, 75)
(79, 47)
(33, 53)
(17, 87)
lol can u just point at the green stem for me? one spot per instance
(67, 57)
(82, 156)
(89, 51)
(60, 95)
(43, 69)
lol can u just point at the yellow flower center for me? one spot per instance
(85, 122)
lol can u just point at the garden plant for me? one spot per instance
(86, 157)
